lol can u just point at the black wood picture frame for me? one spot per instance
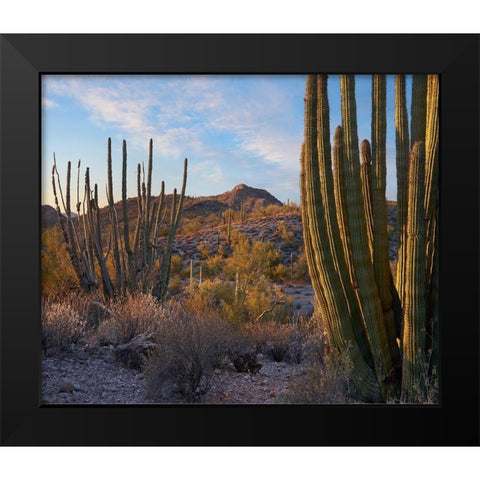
(24, 58)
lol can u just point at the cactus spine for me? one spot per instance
(134, 264)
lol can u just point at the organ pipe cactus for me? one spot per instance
(366, 176)
(143, 263)
(344, 219)
(414, 303)
(402, 151)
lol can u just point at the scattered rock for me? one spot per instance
(66, 385)
(246, 362)
(132, 355)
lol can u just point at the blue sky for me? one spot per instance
(232, 128)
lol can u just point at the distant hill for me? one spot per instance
(251, 198)
(49, 215)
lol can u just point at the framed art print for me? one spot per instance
(239, 240)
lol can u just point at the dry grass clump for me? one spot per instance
(325, 382)
(327, 377)
(191, 345)
(75, 318)
(62, 325)
(281, 341)
(128, 317)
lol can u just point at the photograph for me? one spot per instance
(226, 239)
(239, 240)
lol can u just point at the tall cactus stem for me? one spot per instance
(327, 284)
(402, 153)
(340, 202)
(113, 219)
(418, 110)
(328, 199)
(381, 261)
(126, 228)
(431, 203)
(366, 177)
(371, 305)
(414, 305)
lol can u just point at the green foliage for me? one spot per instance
(252, 259)
(177, 264)
(204, 249)
(192, 225)
(300, 269)
(57, 273)
(288, 236)
(212, 266)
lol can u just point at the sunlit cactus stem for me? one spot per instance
(431, 213)
(366, 176)
(326, 281)
(85, 280)
(161, 285)
(414, 305)
(383, 348)
(126, 229)
(113, 219)
(418, 109)
(134, 264)
(346, 240)
(381, 261)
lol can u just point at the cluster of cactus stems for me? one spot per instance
(387, 326)
(141, 263)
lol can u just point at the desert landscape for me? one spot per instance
(239, 297)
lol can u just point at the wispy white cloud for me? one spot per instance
(48, 103)
(219, 123)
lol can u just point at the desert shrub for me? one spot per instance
(192, 225)
(62, 325)
(211, 294)
(281, 341)
(175, 286)
(300, 269)
(131, 315)
(212, 266)
(327, 377)
(191, 345)
(279, 273)
(252, 259)
(204, 249)
(269, 211)
(176, 265)
(327, 381)
(57, 274)
(288, 236)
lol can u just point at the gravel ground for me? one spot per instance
(91, 375)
